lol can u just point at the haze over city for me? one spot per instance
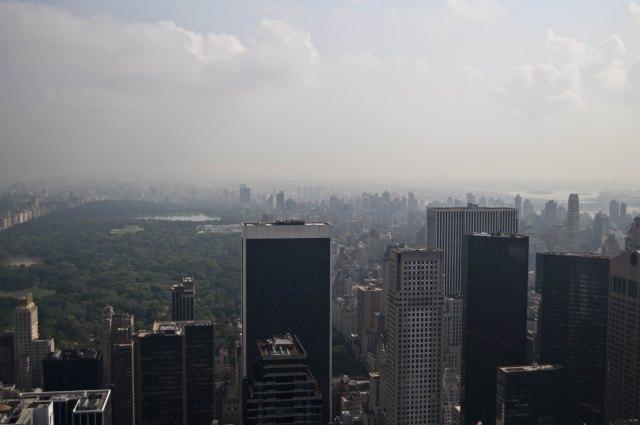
(357, 91)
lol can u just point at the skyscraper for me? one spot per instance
(183, 300)
(632, 241)
(494, 318)
(7, 360)
(572, 329)
(30, 350)
(517, 204)
(414, 350)
(614, 211)
(72, 369)
(112, 323)
(528, 395)
(283, 390)
(622, 400)
(245, 194)
(573, 224)
(122, 372)
(446, 228)
(286, 286)
(174, 374)
(550, 214)
(368, 297)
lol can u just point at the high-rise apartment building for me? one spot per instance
(72, 369)
(528, 395)
(174, 374)
(632, 241)
(414, 350)
(369, 303)
(29, 349)
(282, 389)
(122, 372)
(622, 395)
(183, 300)
(111, 324)
(614, 211)
(572, 329)
(517, 204)
(550, 214)
(494, 312)
(573, 224)
(286, 286)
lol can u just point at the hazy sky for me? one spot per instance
(362, 90)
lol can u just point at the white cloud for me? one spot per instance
(634, 10)
(480, 10)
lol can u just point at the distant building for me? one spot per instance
(572, 329)
(282, 389)
(183, 300)
(623, 339)
(614, 211)
(573, 224)
(494, 315)
(245, 194)
(369, 302)
(632, 241)
(286, 286)
(72, 369)
(550, 214)
(610, 246)
(517, 204)
(414, 351)
(174, 374)
(30, 350)
(528, 395)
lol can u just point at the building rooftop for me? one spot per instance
(528, 368)
(87, 400)
(584, 254)
(471, 207)
(74, 353)
(286, 223)
(500, 235)
(286, 345)
(174, 328)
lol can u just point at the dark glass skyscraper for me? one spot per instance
(623, 339)
(494, 295)
(283, 390)
(572, 329)
(72, 369)
(183, 300)
(285, 286)
(528, 395)
(174, 374)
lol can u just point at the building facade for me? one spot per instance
(572, 329)
(414, 351)
(622, 395)
(72, 369)
(494, 315)
(286, 286)
(183, 300)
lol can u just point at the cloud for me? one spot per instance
(478, 10)
(634, 10)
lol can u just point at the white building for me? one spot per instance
(414, 352)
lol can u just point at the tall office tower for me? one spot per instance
(528, 395)
(517, 204)
(632, 241)
(494, 313)
(622, 399)
(368, 303)
(572, 329)
(286, 285)
(550, 214)
(72, 369)
(29, 349)
(183, 300)
(446, 228)
(279, 207)
(122, 370)
(174, 374)
(245, 194)
(112, 323)
(7, 360)
(414, 348)
(600, 227)
(614, 211)
(282, 389)
(573, 224)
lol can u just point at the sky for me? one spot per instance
(409, 92)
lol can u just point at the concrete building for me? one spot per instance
(572, 243)
(368, 304)
(414, 350)
(622, 394)
(632, 241)
(29, 349)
